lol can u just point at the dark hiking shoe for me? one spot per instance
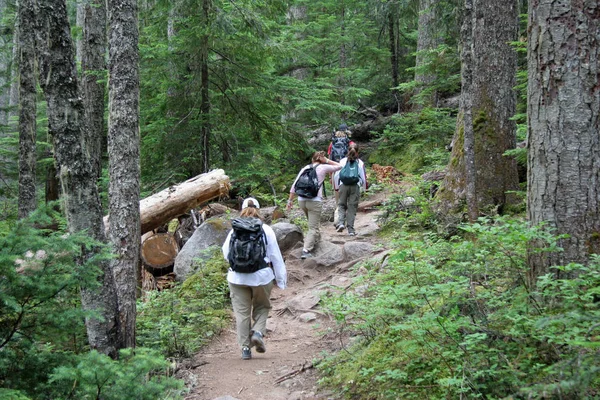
(340, 228)
(257, 342)
(351, 233)
(246, 353)
(305, 254)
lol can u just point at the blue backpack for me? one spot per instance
(349, 175)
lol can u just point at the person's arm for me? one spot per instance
(290, 201)
(363, 175)
(225, 247)
(275, 257)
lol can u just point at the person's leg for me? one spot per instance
(261, 305)
(352, 201)
(336, 212)
(314, 224)
(241, 300)
(342, 206)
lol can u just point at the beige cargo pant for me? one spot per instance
(251, 306)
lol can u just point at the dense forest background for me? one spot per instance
(489, 110)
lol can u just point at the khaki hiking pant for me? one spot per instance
(251, 307)
(312, 210)
(347, 205)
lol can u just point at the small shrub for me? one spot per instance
(180, 320)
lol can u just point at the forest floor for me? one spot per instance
(295, 337)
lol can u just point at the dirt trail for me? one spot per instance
(294, 336)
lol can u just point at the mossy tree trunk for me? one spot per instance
(564, 141)
(93, 66)
(58, 78)
(427, 40)
(27, 109)
(124, 159)
(491, 102)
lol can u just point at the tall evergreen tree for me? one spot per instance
(491, 103)
(5, 63)
(58, 78)
(93, 70)
(27, 109)
(564, 123)
(124, 158)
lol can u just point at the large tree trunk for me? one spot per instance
(5, 70)
(124, 158)
(205, 100)
(27, 109)
(492, 103)
(93, 67)
(392, 28)
(58, 78)
(564, 140)
(427, 40)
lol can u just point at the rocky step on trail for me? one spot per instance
(298, 332)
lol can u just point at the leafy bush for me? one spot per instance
(450, 319)
(416, 142)
(180, 320)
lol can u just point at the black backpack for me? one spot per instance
(248, 245)
(349, 174)
(307, 184)
(339, 148)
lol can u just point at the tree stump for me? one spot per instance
(159, 252)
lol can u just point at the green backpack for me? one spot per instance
(349, 174)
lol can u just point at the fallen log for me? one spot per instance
(176, 200)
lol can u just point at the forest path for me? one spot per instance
(294, 339)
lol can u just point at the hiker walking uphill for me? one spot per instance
(349, 181)
(338, 149)
(254, 262)
(308, 186)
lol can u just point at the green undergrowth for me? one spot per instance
(416, 142)
(44, 353)
(455, 318)
(178, 321)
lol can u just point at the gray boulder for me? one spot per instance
(212, 232)
(288, 235)
(355, 250)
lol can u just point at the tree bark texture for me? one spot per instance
(124, 158)
(492, 103)
(5, 64)
(564, 133)
(58, 78)
(13, 102)
(27, 109)
(427, 40)
(204, 92)
(93, 67)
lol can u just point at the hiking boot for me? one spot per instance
(246, 353)
(340, 228)
(257, 342)
(351, 233)
(305, 254)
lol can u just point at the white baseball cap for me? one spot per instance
(250, 202)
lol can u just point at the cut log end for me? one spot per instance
(159, 251)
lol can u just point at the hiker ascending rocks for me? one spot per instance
(338, 149)
(308, 186)
(254, 262)
(349, 181)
